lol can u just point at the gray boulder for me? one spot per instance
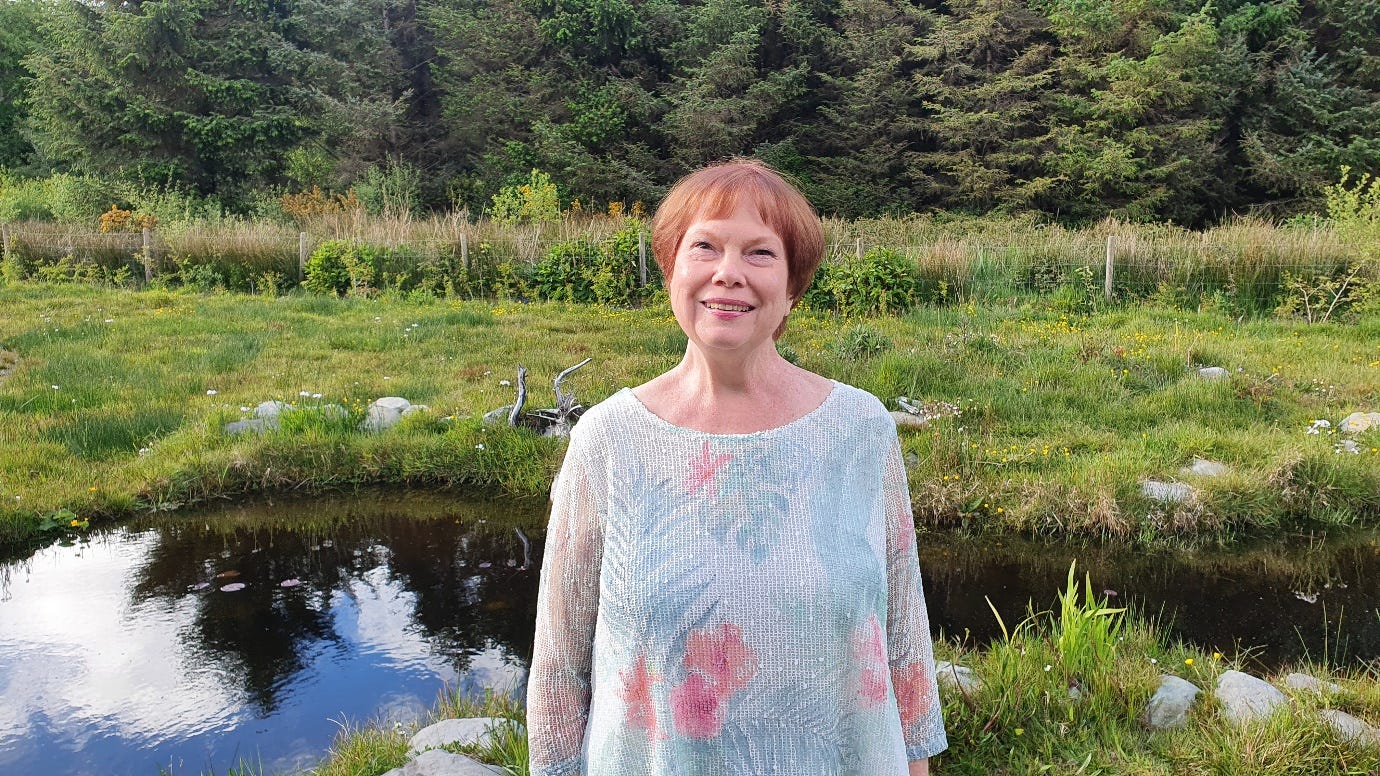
(270, 410)
(1245, 698)
(384, 413)
(1350, 729)
(955, 677)
(441, 763)
(252, 424)
(1166, 492)
(1357, 422)
(1213, 373)
(1205, 468)
(463, 732)
(1311, 684)
(907, 420)
(1169, 706)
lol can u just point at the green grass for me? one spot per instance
(1062, 416)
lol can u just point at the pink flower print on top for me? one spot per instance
(637, 693)
(697, 708)
(721, 657)
(904, 523)
(720, 664)
(914, 692)
(869, 654)
(703, 468)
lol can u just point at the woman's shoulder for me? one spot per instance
(855, 402)
(606, 416)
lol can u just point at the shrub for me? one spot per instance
(536, 201)
(342, 267)
(882, 282)
(562, 274)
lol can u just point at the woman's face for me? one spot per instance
(729, 287)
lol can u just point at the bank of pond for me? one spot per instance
(249, 634)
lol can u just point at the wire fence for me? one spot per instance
(1255, 267)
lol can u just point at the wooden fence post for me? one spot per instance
(465, 250)
(858, 249)
(642, 257)
(1107, 284)
(302, 256)
(148, 255)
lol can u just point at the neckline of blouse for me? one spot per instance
(664, 423)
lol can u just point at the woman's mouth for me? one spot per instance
(731, 307)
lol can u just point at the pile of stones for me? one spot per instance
(427, 758)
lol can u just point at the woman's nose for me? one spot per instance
(729, 270)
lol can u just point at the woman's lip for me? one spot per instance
(733, 302)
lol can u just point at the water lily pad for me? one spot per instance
(232, 587)
(290, 583)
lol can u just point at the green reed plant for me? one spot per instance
(1088, 629)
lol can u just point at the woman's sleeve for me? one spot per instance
(558, 686)
(910, 649)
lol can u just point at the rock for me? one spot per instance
(384, 413)
(333, 411)
(437, 762)
(1213, 373)
(1205, 468)
(1166, 492)
(907, 420)
(1169, 706)
(500, 415)
(1298, 681)
(956, 677)
(1350, 729)
(1244, 697)
(1357, 422)
(252, 424)
(472, 730)
(271, 410)
(414, 408)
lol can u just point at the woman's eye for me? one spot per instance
(761, 256)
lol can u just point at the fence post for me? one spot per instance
(4, 241)
(1107, 284)
(301, 255)
(858, 249)
(148, 255)
(465, 250)
(642, 257)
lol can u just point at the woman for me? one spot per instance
(731, 583)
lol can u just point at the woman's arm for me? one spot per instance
(558, 687)
(910, 650)
(920, 767)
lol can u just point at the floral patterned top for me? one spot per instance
(732, 603)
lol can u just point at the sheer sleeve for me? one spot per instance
(910, 650)
(558, 687)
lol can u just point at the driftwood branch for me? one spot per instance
(565, 402)
(521, 396)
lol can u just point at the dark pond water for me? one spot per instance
(125, 655)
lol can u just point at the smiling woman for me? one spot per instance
(731, 582)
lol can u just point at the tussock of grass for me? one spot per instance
(1062, 416)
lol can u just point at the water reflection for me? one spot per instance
(125, 655)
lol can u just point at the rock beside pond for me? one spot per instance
(1357, 422)
(437, 762)
(1351, 729)
(1213, 373)
(955, 677)
(252, 424)
(1311, 684)
(908, 420)
(463, 732)
(270, 410)
(1166, 492)
(387, 412)
(1169, 706)
(1245, 698)
(1205, 468)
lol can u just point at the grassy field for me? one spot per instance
(1024, 719)
(113, 401)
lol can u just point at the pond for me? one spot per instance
(190, 642)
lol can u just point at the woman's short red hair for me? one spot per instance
(716, 191)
